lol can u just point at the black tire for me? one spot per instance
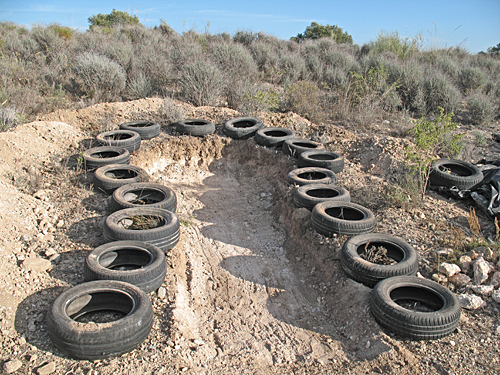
(111, 177)
(311, 175)
(195, 127)
(309, 195)
(146, 129)
(93, 341)
(242, 127)
(342, 218)
(442, 320)
(165, 236)
(369, 273)
(296, 146)
(458, 173)
(128, 139)
(273, 137)
(323, 159)
(145, 264)
(143, 194)
(97, 157)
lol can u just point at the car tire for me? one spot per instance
(143, 194)
(128, 139)
(311, 175)
(441, 321)
(342, 218)
(323, 159)
(242, 127)
(454, 173)
(146, 129)
(145, 264)
(296, 146)
(165, 235)
(308, 196)
(110, 177)
(195, 127)
(94, 341)
(97, 157)
(273, 137)
(370, 273)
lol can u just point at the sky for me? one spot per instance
(470, 24)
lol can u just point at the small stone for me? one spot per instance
(484, 251)
(495, 279)
(439, 278)
(460, 279)
(465, 263)
(49, 237)
(60, 224)
(444, 252)
(448, 269)
(49, 368)
(37, 264)
(498, 330)
(49, 252)
(471, 301)
(496, 296)
(481, 270)
(484, 290)
(12, 366)
(56, 258)
(452, 343)
(32, 358)
(40, 194)
(368, 344)
(162, 292)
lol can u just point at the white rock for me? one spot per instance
(439, 278)
(12, 366)
(471, 301)
(465, 262)
(484, 290)
(481, 270)
(460, 279)
(162, 292)
(449, 269)
(37, 264)
(496, 296)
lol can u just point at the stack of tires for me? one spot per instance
(120, 273)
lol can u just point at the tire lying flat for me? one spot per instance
(308, 196)
(93, 341)
(128, 139)
(146, 129)
(440, 317)
(110, 177)
(195, 127)
(458, 173)
(165, 234)
(273, 137)
(342, 218)
(296, 146)
(143, 194)
(311, 175)
(323, 159)
(369, 273)
(138, 263)
(97, 157)
(242, 127)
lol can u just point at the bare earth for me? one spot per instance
(251, 288)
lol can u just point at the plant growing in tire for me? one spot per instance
(371, 257)
(415, 308)
(99, 319)
(156, 226)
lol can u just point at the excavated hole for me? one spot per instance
(121, 174)
(100, 307)
(243, 124)
(142, 222)
(125, 259)
(144, 196)
(312, 175)
(117, 137)
(322, 193)
(380, 253)
(105, 154)
(417, 299)
(455, 170)
(322, 157)
(276, 133)
(345, 213)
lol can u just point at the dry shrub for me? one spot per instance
(304, 98)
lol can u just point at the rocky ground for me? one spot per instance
(250, 287)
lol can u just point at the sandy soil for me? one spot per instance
(251, 288)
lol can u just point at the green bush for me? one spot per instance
(317, 31)
(480, 108)
(440, 92)
(103, 78)
(115, 18)
(393, 42)
(202, 82)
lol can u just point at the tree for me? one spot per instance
(494, 50)
(316, 31)
(115, 18)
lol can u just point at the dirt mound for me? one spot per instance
(250, 287)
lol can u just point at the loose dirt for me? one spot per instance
(250, 287)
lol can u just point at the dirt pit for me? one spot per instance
(250, 287)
